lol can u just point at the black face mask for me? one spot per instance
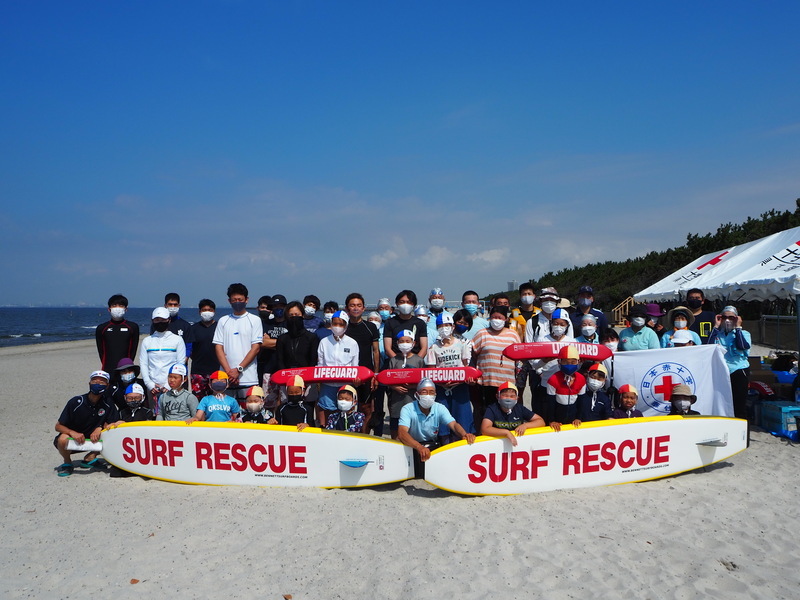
(264, 314)
(160, 327)
(694, 304)
(294, 398)
(295, 326)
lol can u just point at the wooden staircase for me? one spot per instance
(621, 311)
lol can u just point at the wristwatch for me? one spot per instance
(240, 368)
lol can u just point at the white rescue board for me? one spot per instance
(251, 454)
(597, 453)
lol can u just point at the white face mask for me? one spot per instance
(497, 324)
(127, 377)
(681, 405)
(680, 323)
(637, 321)
(558, 330)
(588, 331)
(309, 310)
(338, 330)
(117, 312)
(344, 405)
(612, 346)
(548, 307)
(405, 347)
(207, 316)
(173, 310)
(255, 407)
(437, 303)
(594, 384)
(328, 317)
(376, 323)
(445, 331)
(426, 400)
(405, 309)
(527, 300)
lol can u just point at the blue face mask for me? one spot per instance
(238, 306)
(97, 388)
(385, 314)
(278, 312)
(569, 369)
(471, 308)
(460, 328)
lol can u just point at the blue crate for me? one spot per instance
(779, 417)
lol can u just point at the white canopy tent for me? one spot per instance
(765, 269)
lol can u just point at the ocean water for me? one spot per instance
(21, 326)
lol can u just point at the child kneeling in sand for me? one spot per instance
(133, 412)
(682, 400)
(628, 397)
(347, 418)
(295, 412)
(219, 407)
(84, 417)
(176, 404)
(254, 408)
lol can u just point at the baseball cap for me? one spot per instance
(102, 374)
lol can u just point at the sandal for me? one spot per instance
(64, 470)
(95, 463)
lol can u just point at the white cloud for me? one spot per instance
(490, 258)
(394, 254)
(436, 257)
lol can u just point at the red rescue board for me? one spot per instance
(324, 374)
(443, 375)
(535, 350)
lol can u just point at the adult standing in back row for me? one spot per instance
(404, 319)
(585, 302)
(365, 335)
(704, 320)
(117, 338)
(238, 339)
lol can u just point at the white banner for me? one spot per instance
(654, 372)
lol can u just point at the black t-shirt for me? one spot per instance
(395, 325)
(266, 357)
(365, 334)
(204, 354)
(82, 416)
(703, 324)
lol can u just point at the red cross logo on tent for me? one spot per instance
(714, 261)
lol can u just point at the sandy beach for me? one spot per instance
(728, 531)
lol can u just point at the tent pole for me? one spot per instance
(797, 319)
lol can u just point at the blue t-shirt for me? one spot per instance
(219, 409)
(422, 427)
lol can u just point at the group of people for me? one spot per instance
(220, 369)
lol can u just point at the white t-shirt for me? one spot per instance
(454, 355)
(236, 335)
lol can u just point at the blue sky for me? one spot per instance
(330, 147)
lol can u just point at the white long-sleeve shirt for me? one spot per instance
(157, 354)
